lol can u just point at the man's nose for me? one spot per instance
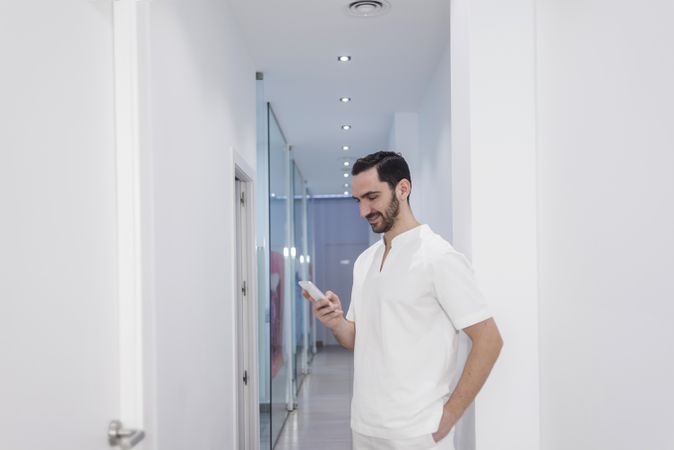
(364, 209)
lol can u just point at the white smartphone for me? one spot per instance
(311, 288)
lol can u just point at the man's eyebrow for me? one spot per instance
(366, 194)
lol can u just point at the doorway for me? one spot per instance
(246, 316)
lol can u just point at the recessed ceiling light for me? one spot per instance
(346, 174)
(345, 99)
(346, 192)
(346, 127)
(346, 185)
(346, 163)
(273, 195)
(345, 148)
(343, 58)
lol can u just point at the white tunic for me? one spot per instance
(407, 319)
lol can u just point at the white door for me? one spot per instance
(59, 328)
(248, 406)
(241, 315)
(246, 383)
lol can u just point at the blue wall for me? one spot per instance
(337, 223)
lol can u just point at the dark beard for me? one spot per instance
(389, 216)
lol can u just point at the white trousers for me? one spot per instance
(425, 442)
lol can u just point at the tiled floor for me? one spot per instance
(321, 420)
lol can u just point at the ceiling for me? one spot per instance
(295, 43)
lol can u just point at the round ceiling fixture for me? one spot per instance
(368, 8)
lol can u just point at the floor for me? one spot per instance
(321, 420)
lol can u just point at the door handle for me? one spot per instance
(126, 439)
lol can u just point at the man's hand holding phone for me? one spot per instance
(327, 308)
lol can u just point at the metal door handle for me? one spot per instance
(124, 438)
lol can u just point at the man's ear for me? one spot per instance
(404, 188)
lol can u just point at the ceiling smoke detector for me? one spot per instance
(368, 8)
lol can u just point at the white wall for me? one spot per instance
(603, 176)
(606, 214)
(58, 339)
(202, 104)
(495, 153)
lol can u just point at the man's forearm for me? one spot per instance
(345, 333)
(479, 364)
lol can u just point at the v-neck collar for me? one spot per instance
(382, 261)
(406, 235)
(396, 242)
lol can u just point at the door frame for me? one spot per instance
(135, 221)
(247, 404)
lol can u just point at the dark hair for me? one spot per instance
(391, 167)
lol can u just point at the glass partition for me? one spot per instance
(300, 325)
(279, 280)
(285, 256)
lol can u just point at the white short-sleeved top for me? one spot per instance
(407, 319)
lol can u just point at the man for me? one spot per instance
(412, 293)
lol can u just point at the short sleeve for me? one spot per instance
(351, 313)
(457, 291)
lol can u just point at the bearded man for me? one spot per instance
(412, 294)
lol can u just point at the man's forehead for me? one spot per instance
(366, 182)
(367, 177)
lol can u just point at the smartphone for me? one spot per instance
(311, 288)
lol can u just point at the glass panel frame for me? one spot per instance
(262, 249)
(300, 304)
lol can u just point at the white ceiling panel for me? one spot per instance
(296, 43)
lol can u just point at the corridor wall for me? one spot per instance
(202, 97)
(424, 139)
(494, 191)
